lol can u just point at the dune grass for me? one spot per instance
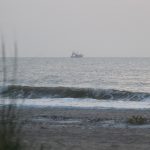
(11, 124)
(137, 120)
(10, 128)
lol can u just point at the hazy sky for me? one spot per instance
(93, 27)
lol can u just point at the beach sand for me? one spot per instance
(84, 129)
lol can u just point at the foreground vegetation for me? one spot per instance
(137, 120)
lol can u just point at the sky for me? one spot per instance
(96, 28)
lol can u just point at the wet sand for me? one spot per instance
(84, 129)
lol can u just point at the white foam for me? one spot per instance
(82, 103)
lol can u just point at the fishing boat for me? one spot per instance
(76, 55)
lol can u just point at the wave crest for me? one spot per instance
(16, 91)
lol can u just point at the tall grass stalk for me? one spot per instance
(10, 123)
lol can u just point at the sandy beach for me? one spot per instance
(84, 129)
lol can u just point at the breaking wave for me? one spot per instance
(16, 91)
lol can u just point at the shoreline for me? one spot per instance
(85, 129)
(85, 112)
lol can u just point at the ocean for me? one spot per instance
(102, 83)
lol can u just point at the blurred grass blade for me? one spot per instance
(4, 60)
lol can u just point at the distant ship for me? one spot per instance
(76, 55)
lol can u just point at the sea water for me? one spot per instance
(78, 82)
